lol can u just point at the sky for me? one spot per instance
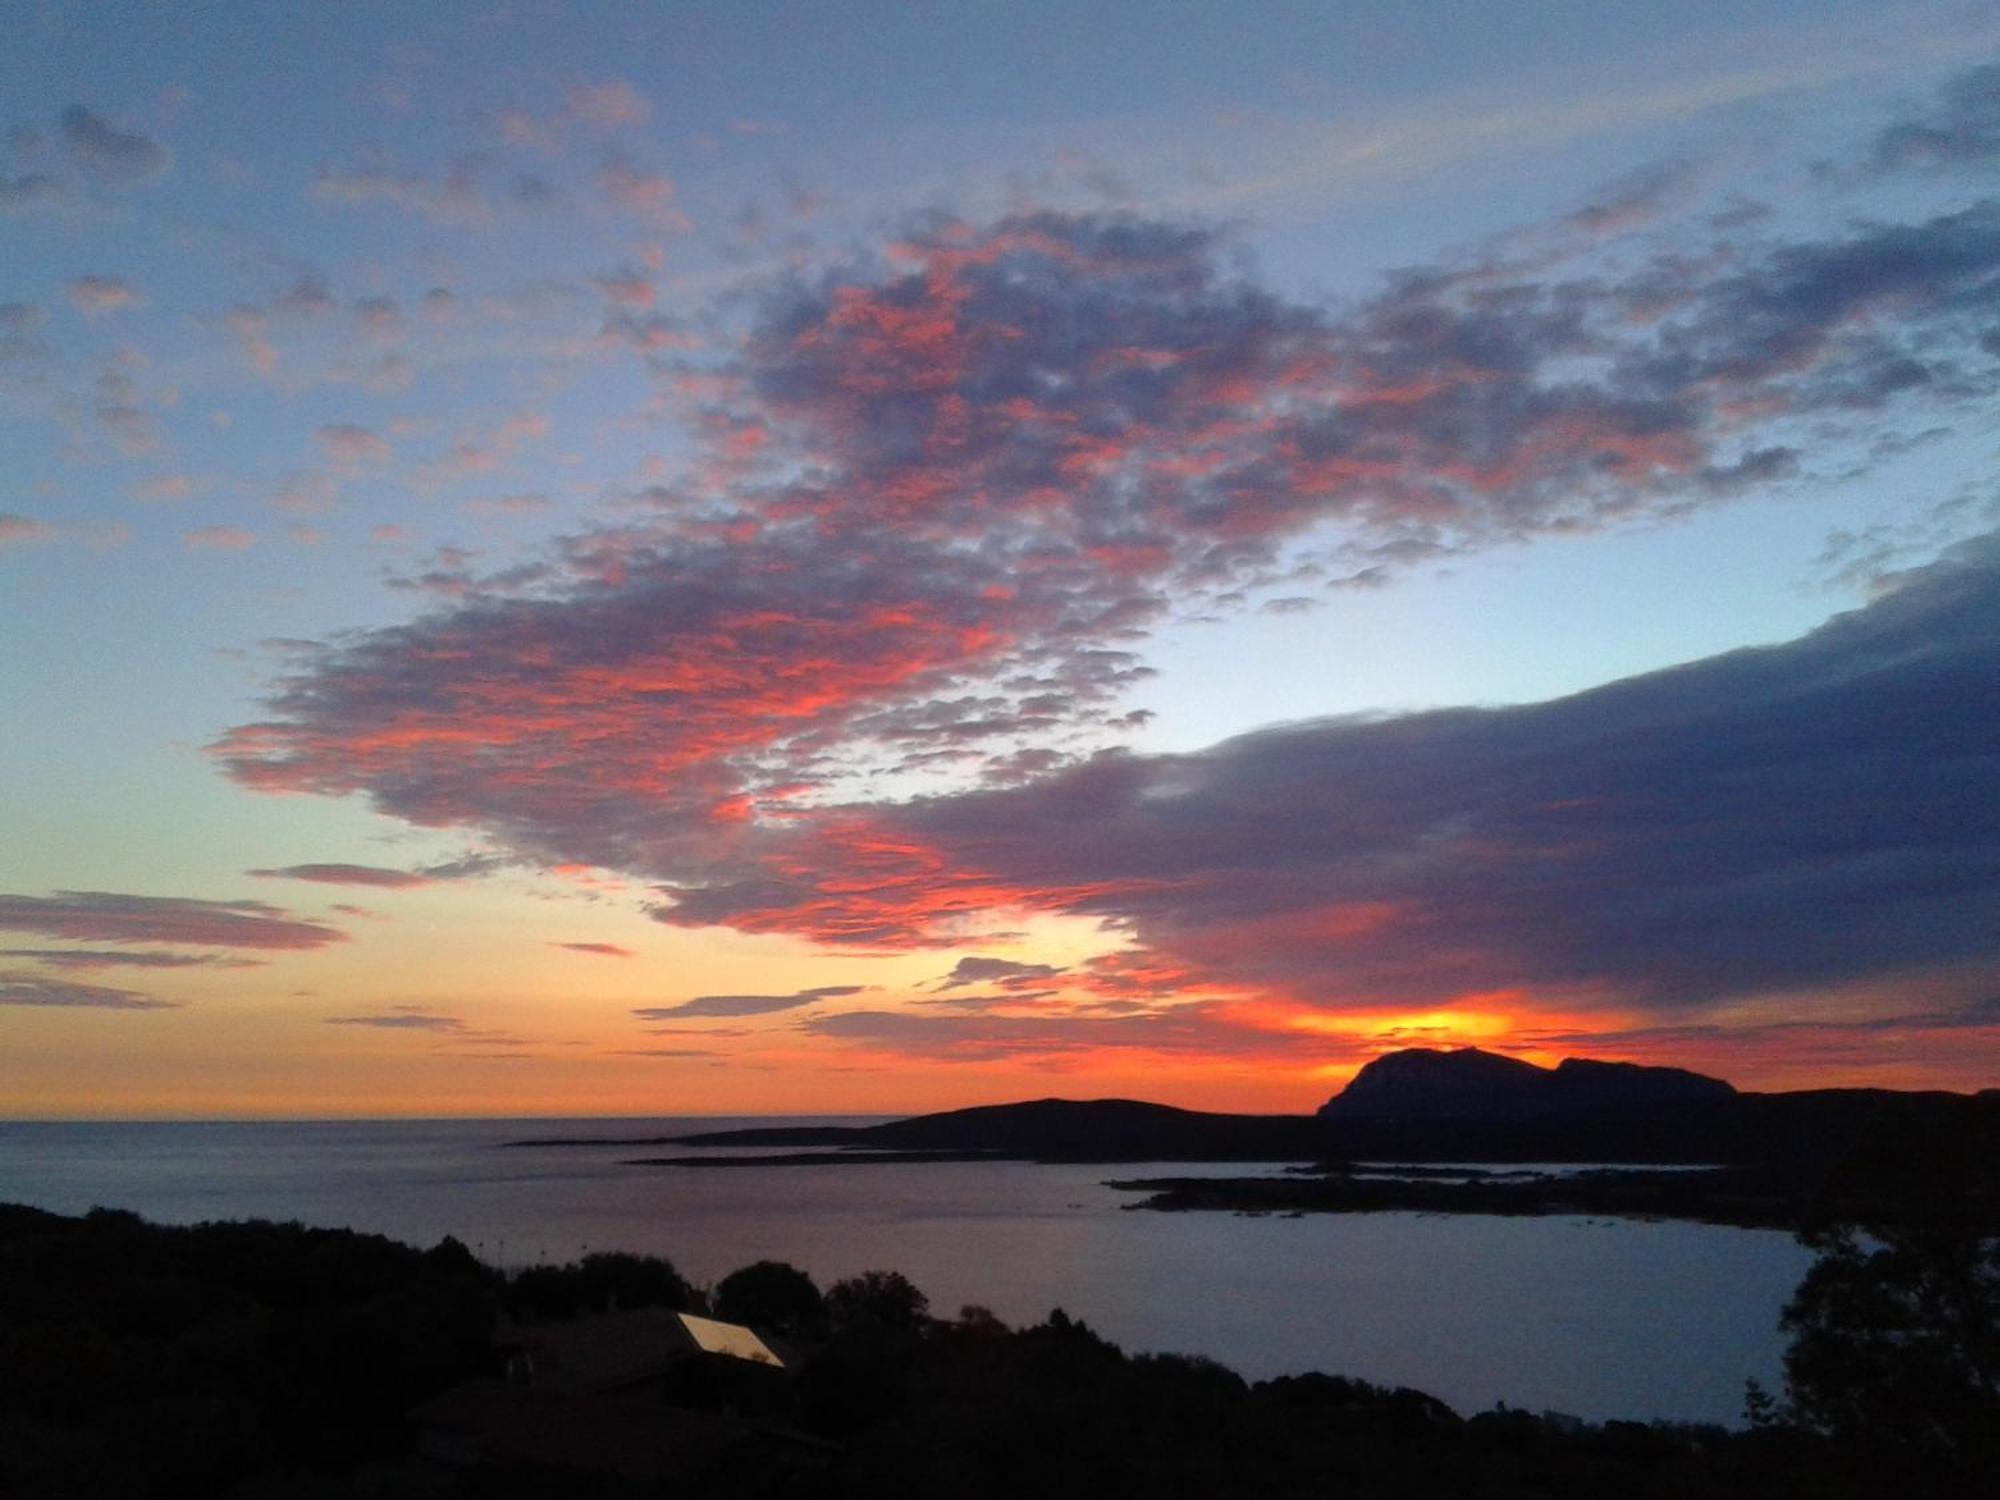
(717, 559)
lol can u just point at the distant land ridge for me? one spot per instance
(1057, 1130)
(1421, 1084)
(1418, 1105)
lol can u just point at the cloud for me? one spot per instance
(996, 971)
(954, 489)
(663, 1052)
(106, 916)
(612, 105)
(1783, 818)
(482, 451)
(104, 958)
(20, 319)
(108, 155)
(219, 539)
(466, 866)
(403, 1020)
(133, 431)
(28, 191)
(26, 358)
(602, 950)
(379, 317)
(251, 328)
(1641, 198)
(458, 198)
(460, 1038)
(353, 446)
(1200, 1031)
(527, 503)
(626, 288)
(607, 107)
(166, 487)
(745, 1005)
(646, 333)
(645, 195)
(18, 530)
(340, 874)
(95, 295)
(251, 323)
(1963, 131)
(943, 492)
(34, 989)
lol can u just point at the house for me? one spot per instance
(625, 1349)
(635, 1393)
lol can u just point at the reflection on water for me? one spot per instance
(1601, 1318)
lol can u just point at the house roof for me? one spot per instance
(614, 1350)
(732, 1339)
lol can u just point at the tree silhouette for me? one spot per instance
(1896, 1344)
(1895, 1329)
(772, 1295)
(598, 1283)
(884, 1297)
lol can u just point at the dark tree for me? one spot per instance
(884, 1297)
(598, 1283)
(1895, 1348)
(772, 1295)
(1896, 1344)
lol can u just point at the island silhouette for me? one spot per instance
(1628, 1135)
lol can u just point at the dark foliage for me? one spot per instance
(599, 1283)
(882, 1298)
(1895, 1350)
(268, 1360)
(138, 1360)
(1897, 1347)
(772, 1296)
(973, 1409)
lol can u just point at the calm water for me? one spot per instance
(1600, 1318)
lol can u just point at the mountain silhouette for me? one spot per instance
(1471, 1085)
(1416, 1105)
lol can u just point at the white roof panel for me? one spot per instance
(729, 1338)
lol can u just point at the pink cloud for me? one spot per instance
(166, 487)
(340, 874)
(643, 194)
(942, 496)
(612, 105)
(108, 916)
(68, 994)
(627, 288)
(102, 958)
(97, 295)
(457, 198)
(18, 530)
(353, 446)
(219, 539)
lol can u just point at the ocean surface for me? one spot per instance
(1598, 1318)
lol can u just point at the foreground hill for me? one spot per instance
(275, 1362)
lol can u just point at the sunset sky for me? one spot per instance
(864, 558)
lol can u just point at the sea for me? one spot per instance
(1598, 1318)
